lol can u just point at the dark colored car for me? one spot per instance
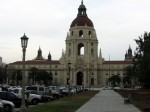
(47, 98)
(13, 98)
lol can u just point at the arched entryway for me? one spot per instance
(79, 78)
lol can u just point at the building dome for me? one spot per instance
(82, 19)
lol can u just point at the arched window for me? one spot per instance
(72, 33)
(90, 33)
(92, 52)
(82, 12)
(80, 49)
(80, 33)
(69, 53)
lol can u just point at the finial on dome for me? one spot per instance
(82, 2)
(129, 46)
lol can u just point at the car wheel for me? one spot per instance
(7, 108)
(34, 101)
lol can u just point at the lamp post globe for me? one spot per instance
(24, 43)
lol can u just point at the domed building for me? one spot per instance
(82, 62)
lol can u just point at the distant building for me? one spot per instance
(88, 67)
(128, 55)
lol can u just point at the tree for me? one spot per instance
(115, 80)
(129, 74)
(32, 74)
(129, 71)
(19, 75)
(40, 76)
(3, 73)
(9, 72)
(142, 59)
(44, 77)
(13, 77)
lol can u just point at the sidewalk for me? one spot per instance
(107, 101)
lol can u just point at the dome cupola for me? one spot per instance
(82, 19)
(39, 55)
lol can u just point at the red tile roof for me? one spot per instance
(38, 62)
(57, 62)
(118, 62)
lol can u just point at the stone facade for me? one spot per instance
(88, 67)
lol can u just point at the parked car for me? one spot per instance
(12, 88)
(65, 90)
(32, 98)
(47, 98)
(4, 87)
(1, 107)
(55, 91)
(40, 90)
(44, 97)
(8, 106)
(107, 88)
(117, 88)
(4, 95)
(73, 90)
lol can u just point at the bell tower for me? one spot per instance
(81, 41)
(82, 48)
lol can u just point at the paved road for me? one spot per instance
(107, 101)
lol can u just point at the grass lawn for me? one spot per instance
(67, 104)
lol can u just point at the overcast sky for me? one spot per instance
(46, 23)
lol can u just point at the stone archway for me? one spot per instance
(79, 78)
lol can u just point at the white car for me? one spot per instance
(12, 88)
(8, 106)
(117, 88)
(73, 90)
(32, 98)
(107, 88)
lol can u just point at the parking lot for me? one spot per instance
(36, 95)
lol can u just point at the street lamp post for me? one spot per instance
(69, 67)
(24, 42)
